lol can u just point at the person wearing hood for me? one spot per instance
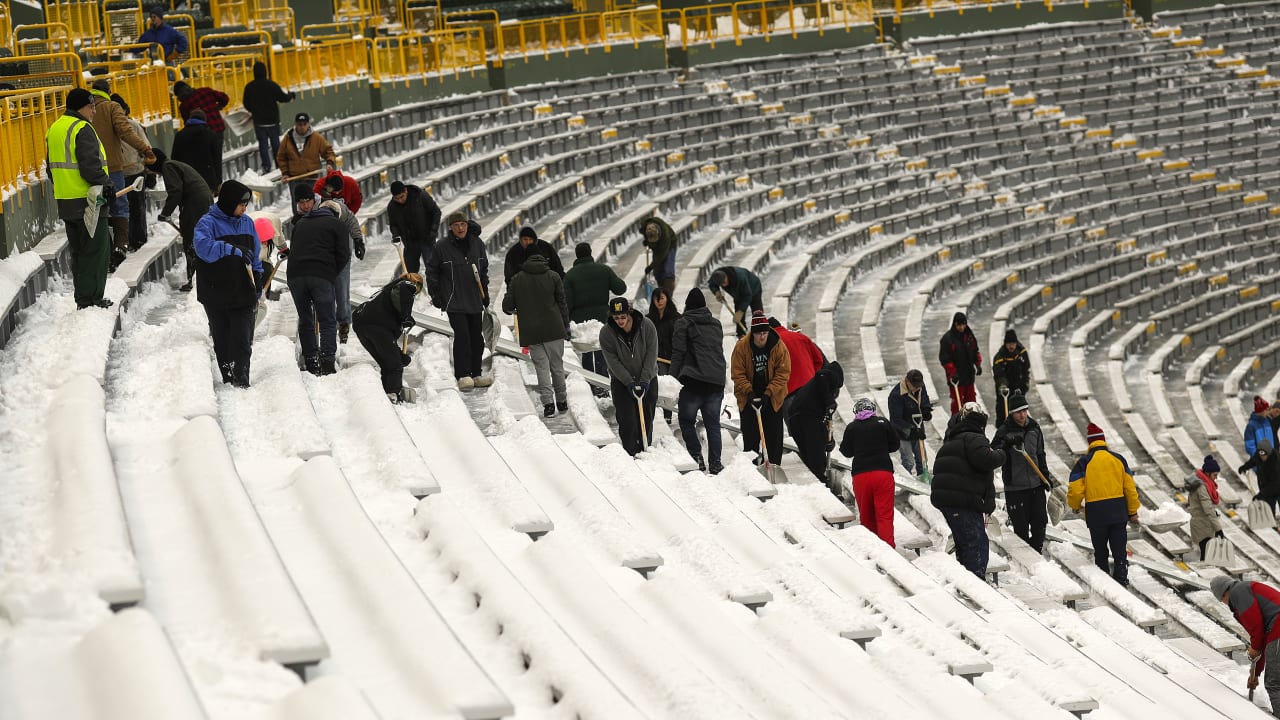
(1266, 463)
(660, 243)
(1011, 368)
(869, 442)
(664, 314)
(964, 487)
(172, 42)
(1102, 482)
(808, 412)
(760, 367)
(262, 98)
(318, 249)
(528, 245)
(961, 360)
(336, 186)
(909, 413)
(1026, 496)
(457, 276)
(744, 288)
(537, 294)
(587, 288)
(1202, 503)
(114, 131)
(197, 146)
(380, 321)
(1256, 606)
(212, 102)
(1259, 426)
(226, 243)
(697, 362)
(187, 192)
(414, 218)
(303, 150)
(629, 342)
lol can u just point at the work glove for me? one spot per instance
(406, 323)
(243, 256)
(282, 254)
(149, 156)
(359, 249)
(405, 359)
(648, 269)
(977, 369)
(149, 181)
(639, 388)
(831, 444)
(108, 192)
(1241, 470)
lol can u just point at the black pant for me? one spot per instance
(416, 254)
(1111, 537)
(232, 333)
(382, 344)
(468, 344)
(1028, 514)
(810, 435)
(90, 255)
(772, 430)
(137, 214)
(627, 413)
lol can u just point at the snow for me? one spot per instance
(1168, 513)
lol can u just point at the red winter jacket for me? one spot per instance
(1256, 606)
(806, 358)
(350, 194)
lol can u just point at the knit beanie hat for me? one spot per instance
(1017, 401)
(527, 232)
(78, 98)
(759, 323)
(1259, 405)
(1210, 466)
(232, 194)
(158, 166)
(303, 192)
(1010, 336)
(959, 318)
(1220, 584)
(1093, 432)
(456, 218)
(694, 299)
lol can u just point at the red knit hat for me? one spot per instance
(1259, 405)
(1093, 432)
(759, 323)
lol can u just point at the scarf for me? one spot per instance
(1209, 484)
(864, 415)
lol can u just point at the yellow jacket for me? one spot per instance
(1102, 481)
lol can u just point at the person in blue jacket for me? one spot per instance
(172, 42)
(229, 279)
(1259, 426)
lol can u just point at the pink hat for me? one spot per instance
(266, 231)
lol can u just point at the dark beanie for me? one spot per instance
(232, 194)
(527, 232)
(101, 84)
(303, 192)
(1210, 465)
(161, 159)
(1010, 336)
(959, 318)
(694, 299)
(397, 187)
(78, 98)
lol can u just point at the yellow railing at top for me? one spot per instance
(580, 31)
(42, 39)
(276, 22)
(80, 16)
(763, 18)
(341, 30)
(25, 117)
(323, 63)
(6, 26)
(124, 24)
(143, 85)
(247, 42)
(228, 73)
(402, 58)
(230, 12)
(34, 72)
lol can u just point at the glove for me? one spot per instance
(165, 219)
(831, 444)
(1133, 520)
(1002, 389)
(149, 156)
(359, 249)
(978, 359)
(648, 269)
(977, 369)
(108, 193)
(405, 359)
(1241, 470)
(283, 254)
(258, 279)
(950, 369)
(437, 302)
(639, 388)
(406, 323)
(917, 433)
(244, 256)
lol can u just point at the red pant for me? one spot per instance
(874, 492)
(967, 394)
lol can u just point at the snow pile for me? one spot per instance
(1168, 515)
(14, 271)
(585, 335)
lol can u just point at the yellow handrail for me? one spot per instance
(80, 16)
(340, 30)
(6, 26)
(123, 24)
(25, 117)
(228, 73)
(53, 37)
(144, 86)
(764, 18)
(277, 22)
(403, 58)
(262, 48)
(321, 63)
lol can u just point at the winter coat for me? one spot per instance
(1268, 473)
(316, 151)
(262, 97)
(632, 357)
(743, 285)
(211, 102)
(697, 349)
(348, 219)
(666, 326)
(450, 278)
(903, 406)
(319, 246)
(417, 221)
(186, 190)
(131, 161)
(963, 468)
(806, 357)
(90, 160)
(869, 444)
(1017, 472)
(114, 130)
(1256, 430)
(350, 193)
(1256, 606)
(1012, 369)
(769, 380)
(959, 355)
(818, 396)
(1203, 508)
(170, 39)
(1103, 482)
(518, 254)
(221, 244)
(538, 295)
(196, 145)
(390, 308)
(587, 288)
(658, 251)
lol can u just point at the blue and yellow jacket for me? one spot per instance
(1101, 479)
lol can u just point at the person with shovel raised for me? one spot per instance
(629, 342)
(303, 151)
(1025, 472)
(760, 367)
(1256, 606)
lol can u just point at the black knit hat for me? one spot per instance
(78, 98)
(303, 192)
(1010, 336)
(1017, 401)
(527, 232)
(694, 299)
(231, 194)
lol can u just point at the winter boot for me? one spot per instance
(482, 381)
(240, 374)
(228, 372)
(702, 466)
(327, 366)
(715, 468)
(344, 332)
(396, 397)
(466, 383)
(562, 406)
(549, 410)
(312, 363)
(119, 233)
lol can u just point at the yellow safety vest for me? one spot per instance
(60, 142)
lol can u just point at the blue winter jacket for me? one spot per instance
(167, 37)
(1257, 429)
(222, 242)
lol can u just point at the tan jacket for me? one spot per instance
(113, 128)
(314, 151)
(778, 371)
(131, 159)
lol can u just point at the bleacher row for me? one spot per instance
(956, 219)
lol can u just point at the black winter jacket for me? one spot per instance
(389, 308)
(817, 397)
(963, 468)
(1012, 368)
(417, 221)
(665, 324)
(538, 295)
(903, 406)
(961, 351)
(320, 246)
(185, 190)
(1268, 473)
(197, 146)
(518, 254)
(262, 97)
(697, 351)
(449, 275)
(1016, 471)
(869, 444)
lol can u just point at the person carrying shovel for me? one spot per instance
(187, 193)
(961, 360)
(1025, 472)
(760, 367)
(1255, 606)
(909, 410)
(629, 342)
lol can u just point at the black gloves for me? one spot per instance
(917, 433)
(831, 444)
(405, 359)
(108, 192)
(648, 269)
(406, 323)
(977, 369)
(359, 246)
(248, 259)
(1241, 470)
(164, 218)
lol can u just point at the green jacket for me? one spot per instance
(587, 288)
(665, 244)
(743, 285)
(538, 295)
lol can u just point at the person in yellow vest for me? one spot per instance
(77, 165)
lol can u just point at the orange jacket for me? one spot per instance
(778, 371)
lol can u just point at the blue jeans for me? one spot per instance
(970, 533)
(314, 298)
(688, 405)
(119, 206)
(342, 288)
(909, 454)
(268, 144)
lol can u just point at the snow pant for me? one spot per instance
(548, 363)
(314, 299)
(188, 234)
(232, 333)
(873, 491)
(627, 412)
(772, 421)
(810, 435)
(268, 145)
(1271, 675)
(468, 344)
(1111, 537)
(415, 253)
(970, 534)
(383, 346)
(909, 454)
(689, 405)
(1029, 514)
(967, 394)
(137, 214)
(90, 257)
(342, 293)
(1204, 544)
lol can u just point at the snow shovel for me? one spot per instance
(1253, 676)
(93, 210)
(1057, 505)
(261, 312)
(771, 472)
(1036, 468)
(644, 430)
(926, 477)
(291, 178)
(488, 323)
(1260, 515)
(1220, 552)
(647, 283)
(1004, 400)
(395, 241)
(955, 392)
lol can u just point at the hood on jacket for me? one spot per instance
(974, 422)
(259, 70)
(535, 265)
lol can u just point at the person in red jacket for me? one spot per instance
(1255, 606)
(336, 186)
(961, 360)
(806, 358)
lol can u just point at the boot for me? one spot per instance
(119, 233)
(549, 410)
(396, 397)
(327, 366)
(240, 374)
(228, 372)
(344, 332)
(312, 363)
(562, 406)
